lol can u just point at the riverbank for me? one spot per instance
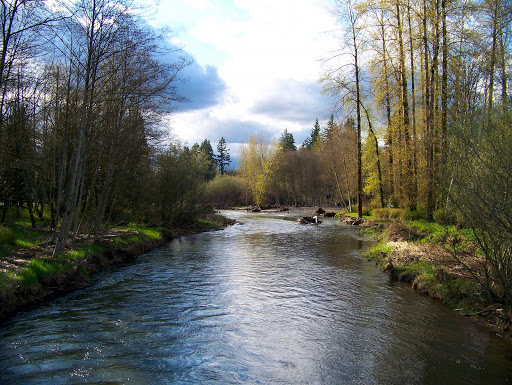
(31, 276)
(422, 254)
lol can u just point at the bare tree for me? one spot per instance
(344, 81)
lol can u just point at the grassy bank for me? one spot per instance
(29, 274)
(421, 252)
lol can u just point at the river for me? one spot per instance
(267, 301)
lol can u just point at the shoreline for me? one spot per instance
(76, 275)
(430, 271)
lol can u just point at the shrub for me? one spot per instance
(387, 214)
(225, 191)
(413, 215)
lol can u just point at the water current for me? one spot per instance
(267, 301)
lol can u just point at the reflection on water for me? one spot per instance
(267, 301)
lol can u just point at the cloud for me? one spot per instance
(257, 66)
(202, 86)
(195, 126)
(293, 100)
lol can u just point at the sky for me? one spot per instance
(256, 67)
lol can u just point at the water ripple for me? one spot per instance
(267, 301)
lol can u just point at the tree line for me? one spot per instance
(83, 88)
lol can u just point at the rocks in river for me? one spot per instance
(330, 214)
(309, 220)
(320, 211)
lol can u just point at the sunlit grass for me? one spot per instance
(14, 238)
(82, 251)
(38, 270)
(209, 224)
(150, 232)
(354, 215)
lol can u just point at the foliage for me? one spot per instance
(209, 157)
(225, 191)
(483, 198)
(387, 214)
(314, 138)
(371, 168)
(180, 182)
(258, 164)
(287, 142)
(223, 157)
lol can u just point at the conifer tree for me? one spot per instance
(314, 137)
(206, 152)
(223, 157)
(287, 142)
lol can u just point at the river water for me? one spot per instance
(267, 301)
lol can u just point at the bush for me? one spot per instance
(387, 214)
(413, 215)
(225, 191)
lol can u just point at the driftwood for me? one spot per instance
(309, 220)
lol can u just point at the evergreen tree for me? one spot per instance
(287, 142)
(314, 137)
(206, 151)
(223, 158)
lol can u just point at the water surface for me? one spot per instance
(265, 301)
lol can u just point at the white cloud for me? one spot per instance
(269, 54)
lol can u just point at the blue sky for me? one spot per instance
(257, 65)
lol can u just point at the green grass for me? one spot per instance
(82, 251)
(375, 252)
(14, 238)
(150, 232)
(18, 216)
(38, 271)
(354, 215)
(209, 224)
(416, 268)
(7, 281)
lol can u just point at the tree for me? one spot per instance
(223, 157)
(483, 198)
(258, 161)
(331, 146)
(180, 182)
(314, 137)
(287, 142)
(207, 153)
(344, 82)
(21, 23)
(115, 87)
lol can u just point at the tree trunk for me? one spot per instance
(410, 194)
(358, 114)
